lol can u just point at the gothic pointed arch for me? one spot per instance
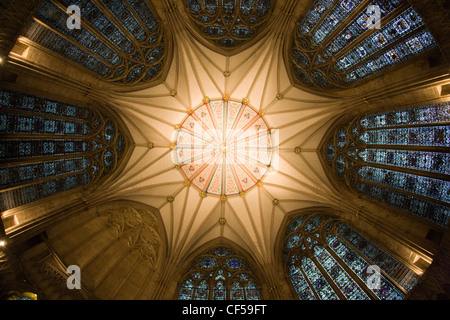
(219, 273)
(228, 25)
(48, 147)
(119, 246)
(339, 44)
(122, 42)
(397, 158)
(325, 258)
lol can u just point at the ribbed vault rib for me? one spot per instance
(251, 219)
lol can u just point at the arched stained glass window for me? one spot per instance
(48, 147)
(229, 23)
(337, 43)
(219, 274)
(326, 259)
(399, 157)
(121, 41)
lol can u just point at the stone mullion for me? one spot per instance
(119, 25)
(380, 51)
(408, 147)
(347, 21)
(30, 183)
(328, 278)
(408, 193)
(416, 172)
(366, 34)
(138, 19)
(352, 274)
(98, 34)
(318, 23)
(412, 125)
(311, 287)
(25, 161)
(387, 276)
(43, 115)
(75, 43)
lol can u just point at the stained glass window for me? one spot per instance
(121, 41)
(48, 147)
(337, 43)
(328, 260)
(399, 157)
(229, 23)
(223, 147)
(219, 274)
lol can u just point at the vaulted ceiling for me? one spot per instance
(198, 70)
(258, 74)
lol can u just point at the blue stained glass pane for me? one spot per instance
(355, 29)
(418, 43)
(145, 14)
(302, 288)
(12, 100)
(57, 18)
(219, 291)
(125, 43)
(395, 269)
(318, 281)
(321, 37)
(234, 263)
(16, 175)
(424, 209)
(294, 225)
(251, 291)
(16, 149)
(207, 263)
(359, 266)
(187, 290)
(46, 38)
(314, 15)
(333, 19)
(34, 192)
(419, 160)
(225, 29)
(346, 285)
(91, 13)
(424, 136)
(434, 113)
(219, 275)
(202, 291)
(41, 130)
(428, 187)
(121, 11)
(15, 123)
(407, 22)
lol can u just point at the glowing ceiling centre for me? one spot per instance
(224, 147)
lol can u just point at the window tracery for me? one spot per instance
(336, 45)
(326, 259)
(399, 157)
(122, 41)
(219, 274)
(229, 23)
(48, 147)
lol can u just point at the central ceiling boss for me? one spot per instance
(225, 147)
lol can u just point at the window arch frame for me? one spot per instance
(210, 43)
(337, 218)
(334, 90)
(111, 81)
(342, 183)
(98, 111)
(190, 268)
